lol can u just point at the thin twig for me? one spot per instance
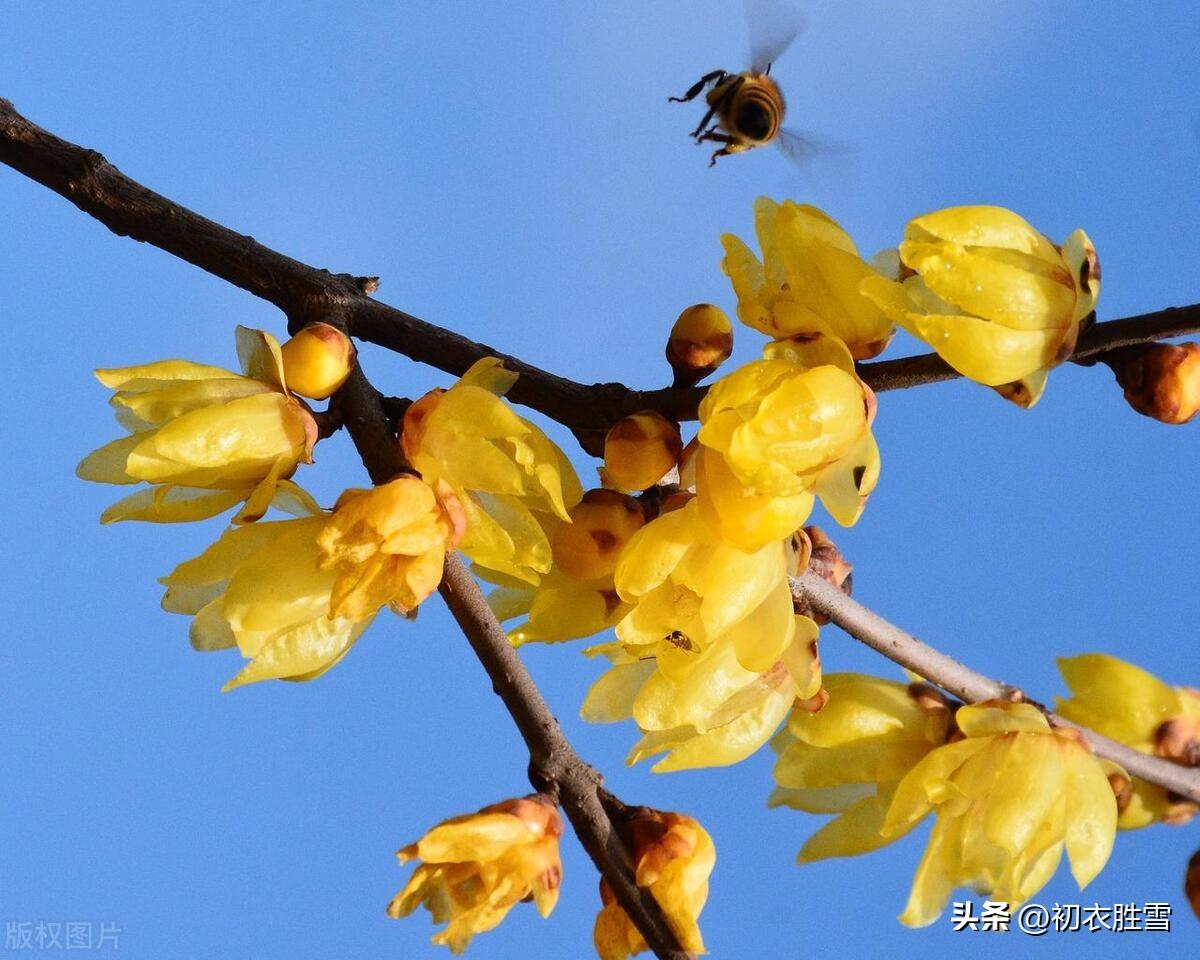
(970, 685)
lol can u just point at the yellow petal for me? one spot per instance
(854, 832)
(912, 799)
(155, 407)
(169, 504)
(986, 719)
(730, 743)
(481, 836)
(108, 463)
(980, 226)
(209, 629)
(300, 652)
(1122, 700)
(153, 376)
(260, 357)
(611, 697)
(989, 287)
(1091, 814)
(821, 799)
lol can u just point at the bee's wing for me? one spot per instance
(772, 25)
(801, 146)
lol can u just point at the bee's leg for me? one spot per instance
(703, 123)
(732, 144)
(695, 88)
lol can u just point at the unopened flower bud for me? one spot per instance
(639, 450)
(827, 562)
(1191, 883)
(1161, 380)
(317, 360)
(701, 340)
(1178, 740)
(601, 524)
(1122, 788)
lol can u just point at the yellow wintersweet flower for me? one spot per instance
(1128, 704)
(808, 280)
(205, 439)
(709, 656)
(703, 709)
(998, 301)
(688, 589)
(477, 867)
(794, 424)
(506, 473)
(673, 857)
(849, 757)
(387, 545)
(261, 588)
(1008, 798)
(577, 597)
(294, 595)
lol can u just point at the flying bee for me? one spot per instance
(749, 106)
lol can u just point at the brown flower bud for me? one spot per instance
(827, 562)
(701, 340)
(1122, 788)
(317, 360)
(1160, 380)
(1178, 740)
(601, 524)
(640, 450)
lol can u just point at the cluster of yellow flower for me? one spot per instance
(1009, 793)
(686, 552)
(294, 595)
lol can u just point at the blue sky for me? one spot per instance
(515, 172)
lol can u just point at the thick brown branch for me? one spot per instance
(127, 208)
(970, 685)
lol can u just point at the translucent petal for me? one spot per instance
(1122, 701)
(170, 504)
(239, 440)
(108, 463)
(195, 582)
(209, 630)
(654, 551)
(611, 697)
(821, 799)
(300, 650)
(861, 761)
(260, 357)
(731, 743)
(986, 719)
(912, 799)
(154, 376)
(1091, 814)
(854, 832)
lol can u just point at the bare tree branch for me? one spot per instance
(970, 685)
(127, 208)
